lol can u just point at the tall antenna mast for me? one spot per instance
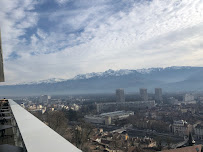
(1, 62)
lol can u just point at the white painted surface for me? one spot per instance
(37, 136)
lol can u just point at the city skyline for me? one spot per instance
(94, 37)
(106, 75)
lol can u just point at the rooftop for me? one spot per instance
(196, 148)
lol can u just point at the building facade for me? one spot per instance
(180, 128)
(199, 131)
(120, 96)
(111, 106)
(143, 94)
(158, 95)
(109, 117)
(188, 98)
(44, 98)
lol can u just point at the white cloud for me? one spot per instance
(41, 34)
(15, 18)
(146, 34)
(62, 2)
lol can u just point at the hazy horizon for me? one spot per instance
(75, 77)
(63, 38)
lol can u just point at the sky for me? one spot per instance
(44, 39)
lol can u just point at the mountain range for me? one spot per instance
(170, 79)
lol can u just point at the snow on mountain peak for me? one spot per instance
(145, 71)
(52, 80)
(109, 72)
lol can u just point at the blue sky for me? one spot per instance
(45, 39)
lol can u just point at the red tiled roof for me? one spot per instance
(196, 148)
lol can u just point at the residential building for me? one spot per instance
(180, 128)
(188, 97)
(195, 148)
(199, 131)
(158, 95)
(120, 96)
(44, 98)
(143, 94)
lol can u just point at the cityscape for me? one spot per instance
(101, 76)
(122, 122)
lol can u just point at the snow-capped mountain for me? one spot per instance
(53, 80)
(122, 72)
(169, 78)
(103, 74)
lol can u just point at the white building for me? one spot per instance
(188, 98)
(108, 118)
(75, 107)
(199, 131)
(117, 114)
(39, 107)
(180, 128)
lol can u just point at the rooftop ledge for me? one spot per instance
(37, 136)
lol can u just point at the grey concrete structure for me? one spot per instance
(158, 95)
(109, 117)
(120, 96)
(1, 63)
(36, 136)
(44, 98)
(143, 94)
(110, 106)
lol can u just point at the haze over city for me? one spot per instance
(62, 38)
(101, 75)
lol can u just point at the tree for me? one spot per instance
(71, 115)
(81, 134)
(57, 121)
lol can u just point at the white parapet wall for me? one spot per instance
(37, 136)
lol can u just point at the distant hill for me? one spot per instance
(171, 79)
